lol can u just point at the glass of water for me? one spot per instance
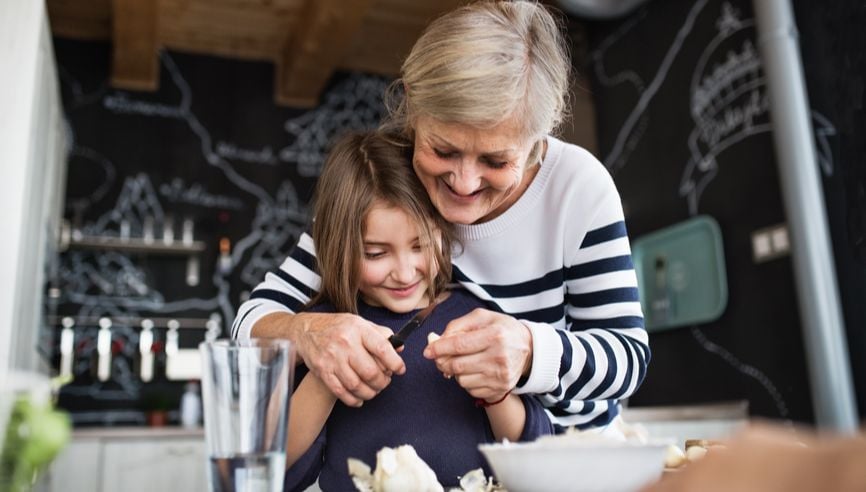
(246, 388)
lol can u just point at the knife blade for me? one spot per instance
(399, 338)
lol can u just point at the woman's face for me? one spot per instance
(394, 269)
(472, 175)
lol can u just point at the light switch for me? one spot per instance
(770, 243)
(761, 246)
(779, 239)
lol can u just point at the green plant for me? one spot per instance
(34, 436)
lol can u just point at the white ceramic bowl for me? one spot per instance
(575, 465)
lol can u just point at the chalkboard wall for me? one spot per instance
(683, 126)
(210, 148)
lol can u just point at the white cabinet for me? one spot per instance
(76, 468)
(164, 465)
(130, 460)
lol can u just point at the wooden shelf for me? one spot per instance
(134, 245)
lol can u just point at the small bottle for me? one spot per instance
(190, 406)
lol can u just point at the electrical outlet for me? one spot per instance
(770, 243)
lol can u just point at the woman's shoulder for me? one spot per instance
(577, 178)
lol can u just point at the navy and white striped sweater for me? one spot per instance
(559, 260)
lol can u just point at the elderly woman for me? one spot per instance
(540, 220)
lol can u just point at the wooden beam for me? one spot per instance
(80, 20)
(320, 39)
(135, 61)
(235, 29)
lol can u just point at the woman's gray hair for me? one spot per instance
(483, 63)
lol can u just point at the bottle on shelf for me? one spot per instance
(190, 406)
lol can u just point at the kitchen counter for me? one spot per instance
(137, 432)
(680, 423)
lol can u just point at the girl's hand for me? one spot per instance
(486, 352)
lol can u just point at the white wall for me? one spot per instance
(32, 174)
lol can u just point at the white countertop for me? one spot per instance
(133, 432)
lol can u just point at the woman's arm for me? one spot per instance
(311, 405)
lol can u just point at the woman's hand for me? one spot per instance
(351, 355)
(486, 352)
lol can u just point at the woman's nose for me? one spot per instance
(466, 179)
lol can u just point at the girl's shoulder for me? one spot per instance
(462, 301)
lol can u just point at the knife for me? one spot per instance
(399, 338)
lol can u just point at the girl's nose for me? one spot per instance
(405, 269)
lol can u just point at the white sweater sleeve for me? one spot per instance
(286, 289)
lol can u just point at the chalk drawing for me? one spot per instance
(275, 231)
(91, 163)
(746, 369)
(823, 129)
(232, 151)
(136, 202)
(729, 103)
(728, 99)
(177, 191)
(627, 75)
(78, 96)
(120, 103)
(113, 284)
(616, 158)
(355, 104)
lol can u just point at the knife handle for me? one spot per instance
(395, 342)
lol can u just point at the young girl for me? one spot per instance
(383, 252)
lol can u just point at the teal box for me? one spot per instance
(681, 274)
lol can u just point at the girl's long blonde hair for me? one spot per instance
(361, 169)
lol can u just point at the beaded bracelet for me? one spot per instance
(481, 402)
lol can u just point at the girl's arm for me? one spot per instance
(519, 418)
(311, 405)
(507, 418)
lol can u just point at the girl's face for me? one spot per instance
(472, 175)
(394, 269)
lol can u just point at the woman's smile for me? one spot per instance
(466, 197)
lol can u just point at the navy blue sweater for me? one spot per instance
(422, 408)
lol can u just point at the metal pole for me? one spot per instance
(815, 274)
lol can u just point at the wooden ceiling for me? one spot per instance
(306, 39)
